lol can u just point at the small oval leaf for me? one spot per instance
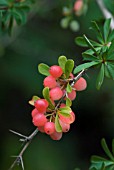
(43, 69)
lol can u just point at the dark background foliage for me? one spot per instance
(43, 40)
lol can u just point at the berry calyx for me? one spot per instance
(81, 84)
(56, 71)
(41, 105)
(39, 120)
(56, 93)
(50, 82)
(56, 135)
(49, 128)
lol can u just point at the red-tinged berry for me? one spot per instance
(39, 120)
(81, 84)
(65, 126)
(71, 76)
(69, 119)
(34, 112)
(62, 105)
(56, 71)
(41, 129)
(78, 5)
(56, 135)
(49, 128)
(72, 95)
(56, 93)
(41, 105)
(50, 82)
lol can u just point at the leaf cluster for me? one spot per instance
(101, 163)
(13, 12)
(100, 52)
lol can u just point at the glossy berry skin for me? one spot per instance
(41, 129)
(56, 135)
(81, 84)
(49, 128)
(69, 119)
(65, 126)
(39, 120)
(72, 95)
(50, 82)
(56, 93)
(34, 112)
(41, 105)
(56, 71)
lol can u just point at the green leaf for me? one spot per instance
(68, 102)
(65, 111)
(3, 3)
(47, 97)
(111, 36)
(100, 77)
(69, 67)
(57, 124)
(89, 57)
(34, 98)
(113, 146)
(43, 69)
(85, 66)
(62, 61)
(90, 44)
(98, 31)
(82, 42)
(106, 29)
(68, 88)
(111, 49)
(95, 159)
(106, 70)
(91, 52)
(110, 67)
(106, 149)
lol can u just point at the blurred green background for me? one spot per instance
(43, 40)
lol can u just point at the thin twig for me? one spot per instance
(105, 12)
(28, 140)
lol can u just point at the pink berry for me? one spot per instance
(62, 105)
(41, 129)
(78, 5)
(39, 120)
(41, 105)
(72, 95)
(50, 82)
(56, 71)
(49, 128)
(56, 93)
(34, 112)
(71, 76)
(69, 119)
(65, 126)
(56, 135)
(81, 84)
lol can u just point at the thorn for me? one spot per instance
(19, 134)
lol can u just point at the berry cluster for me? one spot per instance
(53, 114)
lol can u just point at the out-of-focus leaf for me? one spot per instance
(98, 31)
(106, 29)
(100, 77)
(68, 88)
(74, 25)
(111, 36)
(106, 149)
(111, 49)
